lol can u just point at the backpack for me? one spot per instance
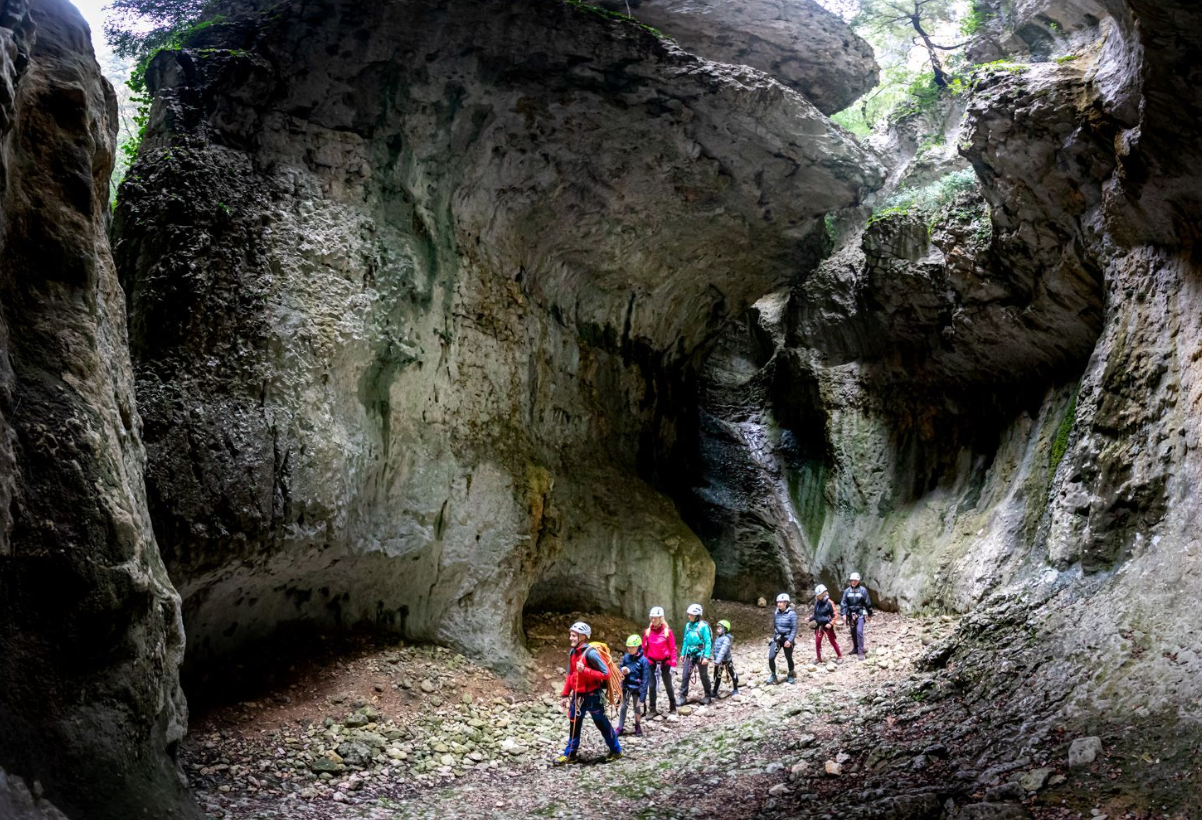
(613, 686)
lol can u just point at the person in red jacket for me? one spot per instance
(583, 693)
(659, 646)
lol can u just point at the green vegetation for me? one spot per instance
(145, 47)
(916, 20)
(999, 66)
(1060, 442)
(901, 93)
(920, 68)
(928, 200)
(977, 18)
(135, 28)
(1068, 58)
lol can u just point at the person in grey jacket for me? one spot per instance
(784, 632)
(856, 607)
(723, 660)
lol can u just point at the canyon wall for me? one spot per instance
(415, 293)
(991, 405)
(90, 631)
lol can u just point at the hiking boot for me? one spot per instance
(705, 701)
(791, 679)
(612, 756)
(638, 731)
(838, 660)
(733, 693)
(771, 681)
(565, 759)
(619, 731)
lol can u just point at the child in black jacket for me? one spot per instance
(636, 675)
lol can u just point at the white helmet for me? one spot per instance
(694, 609)
(581, 628)
(855, 576)
(819, 590)
(783, 597)
(657, 612)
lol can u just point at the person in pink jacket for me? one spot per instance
(659, 647)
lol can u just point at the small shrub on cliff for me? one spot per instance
(978, 17)
(1060, 442)
(927, 200)
(145, 46)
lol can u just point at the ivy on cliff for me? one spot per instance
(140, 30)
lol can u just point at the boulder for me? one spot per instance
(798, 42)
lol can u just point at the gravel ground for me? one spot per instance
(419, 732)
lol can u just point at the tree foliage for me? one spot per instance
(915, 20)
(135, 28)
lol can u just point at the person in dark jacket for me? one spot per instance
(723, 660)
(636, 677)
(856, 607)
(583, 693)
(784, 633)
(826, 614)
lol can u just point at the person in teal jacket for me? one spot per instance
(696, 650)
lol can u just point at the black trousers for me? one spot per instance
(665, 673)
(778, 644)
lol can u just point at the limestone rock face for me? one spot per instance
(413, 305)
(798, 42)
(90, 631)
(955, 413)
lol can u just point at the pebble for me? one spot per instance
(778, 789)
(1035, 779)
(833, 768)
(427, 686)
